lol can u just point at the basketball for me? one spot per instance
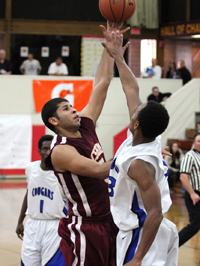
(117, 10)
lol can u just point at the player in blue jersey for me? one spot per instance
(139, 192)
(45, 204)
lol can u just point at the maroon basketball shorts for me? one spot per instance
(88, 241)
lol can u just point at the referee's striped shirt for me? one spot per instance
(191, 165)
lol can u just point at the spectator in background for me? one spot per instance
(58, 68)
(30, 66)
(171, 73)
(174, 163)
(182, 72)
(198, 127)
(158, 96)
(5, 65)
(154, 72)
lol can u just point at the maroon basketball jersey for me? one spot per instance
(87, 196)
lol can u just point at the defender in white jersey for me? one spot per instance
(45, 204)
(138, 186)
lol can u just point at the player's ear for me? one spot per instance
(136, 125)
(53, 120)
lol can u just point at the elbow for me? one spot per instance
(183, 177)
(158, 216)
(100, 175)
(104, 82)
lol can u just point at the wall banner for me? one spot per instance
(77, 92)
(15, 141)
(180, 29)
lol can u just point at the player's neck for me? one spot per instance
(43, 166)
(139, 139)
(70, 134)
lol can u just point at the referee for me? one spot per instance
(190, 178)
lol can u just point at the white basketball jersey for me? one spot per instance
(45, 195)
(126, 203)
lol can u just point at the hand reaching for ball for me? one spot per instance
(112, 26)
(114, 42)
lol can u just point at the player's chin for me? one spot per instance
(77, 123)
(77, 120)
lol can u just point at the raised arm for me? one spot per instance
(128, 80)
(102, 78)
(66, 158)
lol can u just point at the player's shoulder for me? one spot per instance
(31, 168)
(86, 120)
(139, 167)
(87, 124)
(32, 164)
(138, 164)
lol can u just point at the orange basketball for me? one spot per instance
(117, 10)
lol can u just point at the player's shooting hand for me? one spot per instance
(112, 26)
(114, 46)
(20, 231)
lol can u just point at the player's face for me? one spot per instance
(68, 117)
(197, 143)
(45, 149)
(134, 122)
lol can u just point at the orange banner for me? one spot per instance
(77, 92)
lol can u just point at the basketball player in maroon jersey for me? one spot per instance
(88, 235)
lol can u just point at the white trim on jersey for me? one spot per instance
(73, 239)
(75, 211)
(82, 240)
(82, 195)
(54, 140)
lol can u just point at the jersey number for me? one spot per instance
(41, 206)
(112, 181)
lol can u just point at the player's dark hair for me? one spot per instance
(44, 138)
(153, 119)
(49, 110)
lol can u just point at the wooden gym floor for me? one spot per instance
(11, 197)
